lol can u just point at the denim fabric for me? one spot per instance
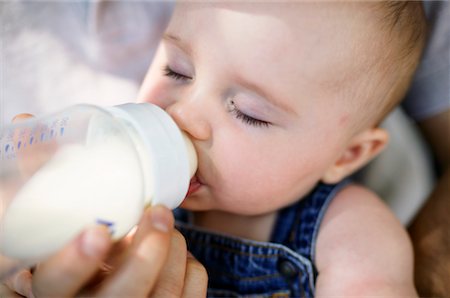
(283, 267)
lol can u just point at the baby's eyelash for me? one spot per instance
(168, 72)
(247, 119)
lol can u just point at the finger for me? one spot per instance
(64, 274)
(148, 253)
(20, 283)
(196, 280)
(155, 218)
(116, 256)
(21, 117)
(7, 292)
(171, 281)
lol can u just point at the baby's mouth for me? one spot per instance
(194, 185)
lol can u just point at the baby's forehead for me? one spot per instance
(322, 46)
(342, 50)
(334, 42)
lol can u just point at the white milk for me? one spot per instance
(78, 187)
(111, 164)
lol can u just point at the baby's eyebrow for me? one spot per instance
(176, 40)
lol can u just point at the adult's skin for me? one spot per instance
(430, 229)
(156, 264)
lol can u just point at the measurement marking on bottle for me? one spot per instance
(12, 141)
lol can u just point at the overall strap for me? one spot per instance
(297, 226)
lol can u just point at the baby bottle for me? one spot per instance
(83, 166)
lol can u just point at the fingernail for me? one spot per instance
(30, 293)
(21, 117)
(95, 241)
(161, 218)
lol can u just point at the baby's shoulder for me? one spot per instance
(360, 234)
(358, 215)
(355, 203)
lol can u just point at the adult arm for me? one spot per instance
(428, 102)
(430, 228)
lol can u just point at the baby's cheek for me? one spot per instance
(156, 92)
(244, 172)
(155, 87)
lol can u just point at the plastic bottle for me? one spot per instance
(83, 166)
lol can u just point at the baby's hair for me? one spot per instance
(403, 32)
(406, 22)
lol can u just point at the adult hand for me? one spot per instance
(154, 263)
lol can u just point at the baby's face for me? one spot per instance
(257, 87)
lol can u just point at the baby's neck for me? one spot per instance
(257, 228)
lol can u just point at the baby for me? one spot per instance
(282, 103)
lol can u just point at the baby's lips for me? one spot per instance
(194, 185)
(194, 179)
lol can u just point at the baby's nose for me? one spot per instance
(190, 119)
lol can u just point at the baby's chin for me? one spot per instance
(195, 202)
(202, 203)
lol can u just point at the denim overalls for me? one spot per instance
(283, 267)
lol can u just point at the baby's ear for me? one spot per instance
(362, 148)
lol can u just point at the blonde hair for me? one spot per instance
(406, 25)
(403, 30)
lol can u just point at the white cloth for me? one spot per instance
(57, 53)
